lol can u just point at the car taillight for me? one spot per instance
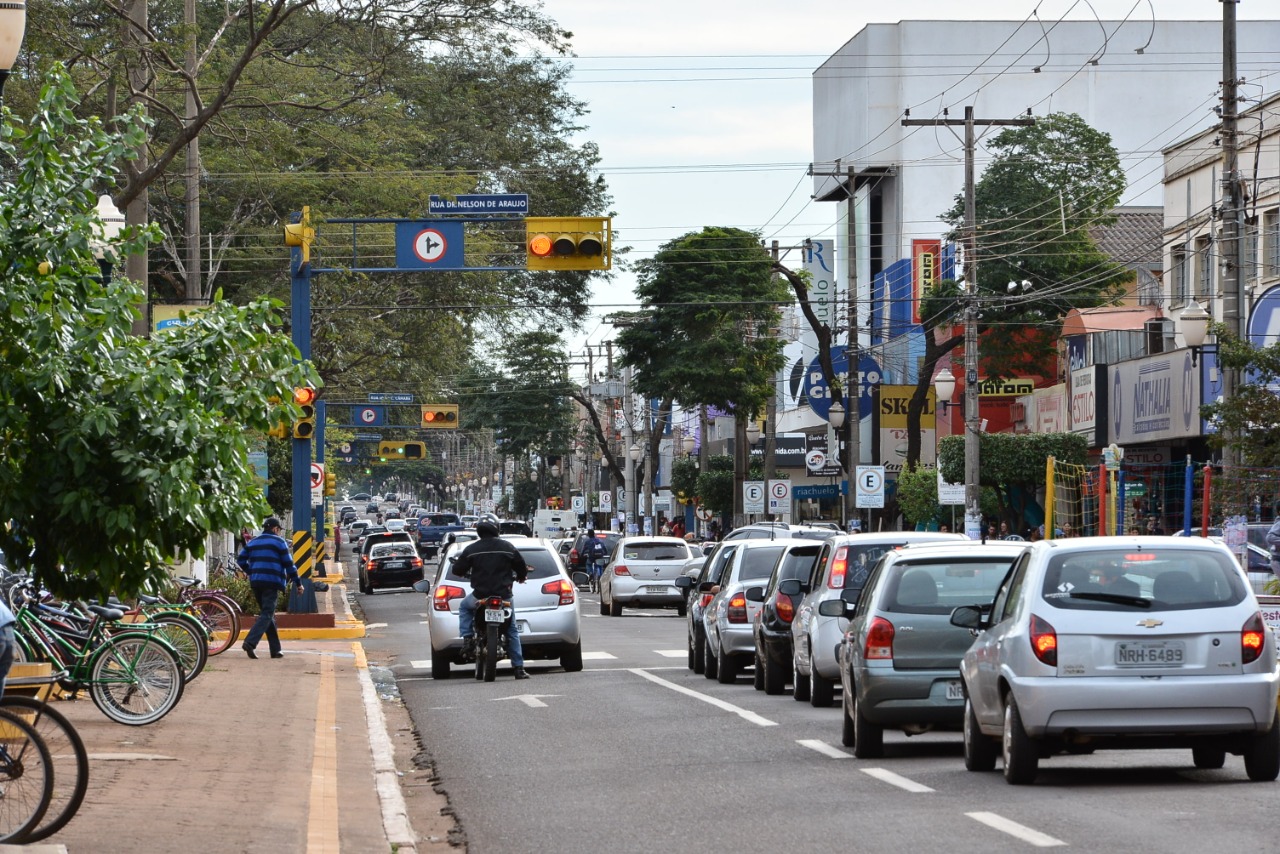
(562, 588)
(444, 593)
(1044, 641)
(1252, 637)
(784, 609)
(620, 569)
(839, 566)
(706, 600)
(416, 563)
(879, 639)
(573, 555)
(737, 611)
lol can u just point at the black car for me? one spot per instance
(577, 562)
(772, 629)
(390, 565)
(372, 507)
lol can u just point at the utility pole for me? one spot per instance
(972, 421)
(195, 286)
(771, 415)
(853, 418)
(1235, 301)
(136, 212)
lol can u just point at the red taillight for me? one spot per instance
(416, 563)
(444, 593)
(1044, 641)
(737, 610)
(839, 566)
(562, 588)
(879, 639)
(1252, 637)
(620, 569)
(706, 599)
(573, 555)
(784, 609)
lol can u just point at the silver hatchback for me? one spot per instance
(642, 572)
(730, 616)
(1121, 642)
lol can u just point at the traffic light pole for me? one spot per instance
(300, 319)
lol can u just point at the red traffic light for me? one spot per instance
(304, 396)
(540, 245)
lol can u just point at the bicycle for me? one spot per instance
(26, 778)
(69, 758)
(218, 611)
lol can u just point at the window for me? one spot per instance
(1179, 267)
(1204, 267)
(1271, 242)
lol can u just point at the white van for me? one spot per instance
(550, 524)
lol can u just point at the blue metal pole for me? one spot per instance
(1187, 487)
(300, 318)
(320, 509)
(1120, 503)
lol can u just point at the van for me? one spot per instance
(553, 523)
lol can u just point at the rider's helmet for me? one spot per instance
(486, 529)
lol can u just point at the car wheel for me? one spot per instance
(688, 640)
(800, 687)
(1208, 758)
(604, 609)
(615, 609)
(699, 652)
(1262, 758)
(979, 750)
(726, 667)
(440, 662)
(682, 610)
(757, 675)
(1021, 756)
(711, 664)
(775, 679)
(571, 658)
(848, 736)
(364, 586)
(821, 691)
(868, 738)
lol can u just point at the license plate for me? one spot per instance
(1151, 653)
(658, 591)
(494, 615)
(955, 691)
(394, 564)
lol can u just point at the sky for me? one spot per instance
(702, 108)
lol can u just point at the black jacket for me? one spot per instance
(491, 563)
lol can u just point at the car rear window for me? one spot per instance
(759, 563)
(940, 586)
(1165, 579)
(542, 564)
(655, 551)
(442, 519)
(394, 549)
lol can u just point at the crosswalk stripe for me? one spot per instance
(672, 653)
(420, 665)
(597, 656)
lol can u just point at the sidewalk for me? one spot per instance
(283, 755)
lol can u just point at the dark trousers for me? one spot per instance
(266, 594)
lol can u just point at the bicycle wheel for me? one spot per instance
(70, 762)
(189, 640)
(134, 679)
(220, 619)
(26, 778)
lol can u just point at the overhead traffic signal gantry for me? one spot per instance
(440, 416)
(568, 242)
(395, 450)
(305, 426)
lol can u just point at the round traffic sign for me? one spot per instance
(870, 481)
(368, 415)
(703, 513)
(317, 475)
(345, 447)
(753, 491)
(780, 489)
(429, 245)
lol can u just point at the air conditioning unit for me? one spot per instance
(1018, 412)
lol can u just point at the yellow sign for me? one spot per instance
(894, 400)
(1005, 388)
(171, 316)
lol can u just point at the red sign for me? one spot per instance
(926, 259)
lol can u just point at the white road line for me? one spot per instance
(898, 780)
(597, 656)
(823, 748)
(745, 714)
(375, 625)
(672, 653)
(1020, 831)
(420, 664)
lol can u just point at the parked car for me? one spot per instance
(842, 566)
(779, 599)
(729, 616)
(642, 572)
(781, 531)
(700, 589)
(900, 658)
(546, 608)
(1120, 642)
(576, 561)
(393, 564)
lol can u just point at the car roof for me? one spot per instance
(657, 538)
(876, 537)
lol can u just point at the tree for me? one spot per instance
(1246, 420)
(119, 452)
(1013, 465)
(917, 494)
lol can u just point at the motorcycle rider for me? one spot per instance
(491, 563)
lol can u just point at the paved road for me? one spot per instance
(636, 753)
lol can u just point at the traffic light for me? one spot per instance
(330, 483)
(440, 416)
(301, 234)
(305, 426)
(401, 451)
(568, 242)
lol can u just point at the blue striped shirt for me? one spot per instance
(267, 560)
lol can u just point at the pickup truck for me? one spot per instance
(433, 528)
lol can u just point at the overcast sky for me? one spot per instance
(702, 109)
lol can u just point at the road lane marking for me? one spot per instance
(887, 776)
(745, 714)
(420, 664)
(1020, 831)
(823, 748)
(530, 700)
(375, 625)
(672, 653)
(597, 656)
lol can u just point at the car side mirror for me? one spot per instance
(851, 595)
(684, 582)
(581, 579)
(423, 586)
(834, 608)
(754, 594)
(790, 587)
(969, 617)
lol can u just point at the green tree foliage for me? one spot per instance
(684, 477)
(917, 494)
(710, 300)
(1247, 420)
(119, 452)
(715, 486)
(1013, 465)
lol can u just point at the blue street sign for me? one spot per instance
(815, 386)
(369, 416)
(799, 493)
(392, 397)
(515, 204)
(368, 437)
(430, 244)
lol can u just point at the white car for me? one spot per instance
(1120, 642)
(642, 572)
(546, 607)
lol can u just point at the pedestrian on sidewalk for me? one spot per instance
(269, 565)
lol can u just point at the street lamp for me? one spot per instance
(635, 452)
(944, 385)
(555, 469)
(13, 26)
(836, 414)
(753, 431)
(1195, 326)
(112, 223)
(687, 444)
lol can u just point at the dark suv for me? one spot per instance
(576, 561)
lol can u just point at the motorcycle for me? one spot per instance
(493, 619)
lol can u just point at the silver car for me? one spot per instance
(546, 608)
(699, 580)
(841, 570)
(642, 572)
(1121, 642)
(730, 616)
(900, 658)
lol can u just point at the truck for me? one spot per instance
(553, 523)
(433, 528)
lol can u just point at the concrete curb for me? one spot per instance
(395, 813)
